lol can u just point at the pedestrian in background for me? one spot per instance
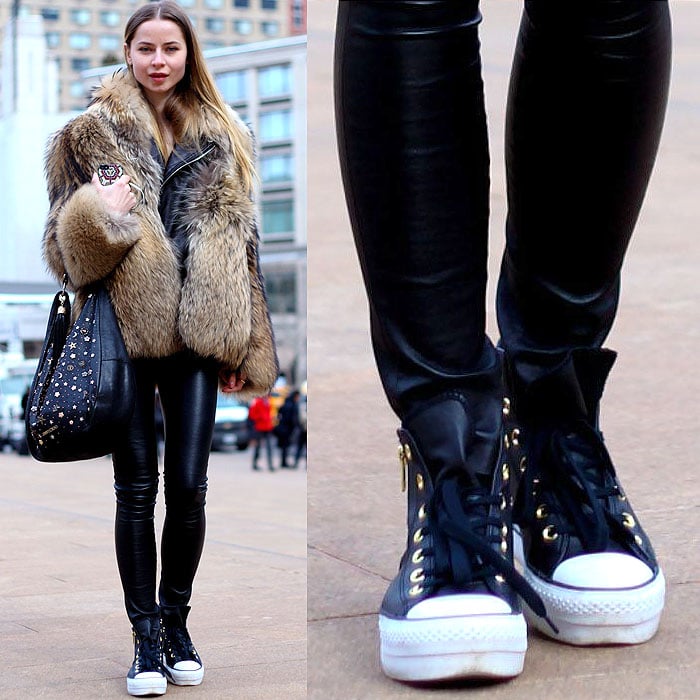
(287, 427)
(150, 191)
(260, 417)
(301, 432)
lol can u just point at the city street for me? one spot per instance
(649, 412)
(63, 628)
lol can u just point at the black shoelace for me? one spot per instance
(179, 645)
(148, 655)
(463, 549)
(577, 478)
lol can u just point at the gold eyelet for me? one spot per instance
(541, 512)
(549, 534)
(419, 482)
(407, 452)
(505, 472)
(504, 530)
(523, 464)
(504, 546)
(638, 540)
(506, 406)
(515, 437)
(500, 578)
(418, 536)
(417, 557)
(413, 591)
(628, 520)
(506, 442)
(417, 576)
(422, 512)
(504, 503)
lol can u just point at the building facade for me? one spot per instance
(82, 35)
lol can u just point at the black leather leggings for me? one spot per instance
(187, 386)
(585, 110)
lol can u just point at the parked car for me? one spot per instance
(13, 384)
(230, 424)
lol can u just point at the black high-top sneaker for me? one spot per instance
(146, 675)
(180, 659)
(583, 549)
(453, 610)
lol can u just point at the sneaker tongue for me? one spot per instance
(450, 439)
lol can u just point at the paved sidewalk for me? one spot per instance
(63, 630)
(356, 510)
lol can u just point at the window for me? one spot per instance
(110, 18)
(186, 3)
(268, 4)
(242, 26)
(241, 3)
(214, 24)
(232, 85)
(297, 14)
(214, 4)
(278, 217)
(77, 89)
(276, 168)
(270, 28)
(276, 125)
(109, 42)
(80, 63)
(81, 17)
(50, 14)
(53, 40)
(79, 40)
(281, 289)
(274, 80)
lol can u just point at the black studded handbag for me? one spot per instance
(82, 396)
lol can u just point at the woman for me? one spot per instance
(150, 192)
(262, 424)
(287, 427)
(586, 105)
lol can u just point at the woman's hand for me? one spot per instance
(118, 197)
(231, 380)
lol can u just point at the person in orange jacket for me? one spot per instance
(260, 416)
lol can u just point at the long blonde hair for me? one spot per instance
(195, 91)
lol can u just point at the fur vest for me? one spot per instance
(216, 306)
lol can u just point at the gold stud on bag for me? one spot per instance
(82, 396)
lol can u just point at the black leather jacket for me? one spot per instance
(176, 175)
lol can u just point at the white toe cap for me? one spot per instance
(459, 605)
(603, 570)
(187, 666)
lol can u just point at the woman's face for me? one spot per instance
(158, 57)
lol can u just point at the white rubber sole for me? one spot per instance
(587, 617)
(185, 677)
(438, 649)
(147, 684)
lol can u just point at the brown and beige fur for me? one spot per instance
(220, 310)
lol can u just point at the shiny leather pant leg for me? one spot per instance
(586, 105)
(188, 387)
(413, 148)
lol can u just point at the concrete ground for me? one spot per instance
(650, 417)
(63, 630)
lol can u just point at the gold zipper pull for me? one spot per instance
(403, 460)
